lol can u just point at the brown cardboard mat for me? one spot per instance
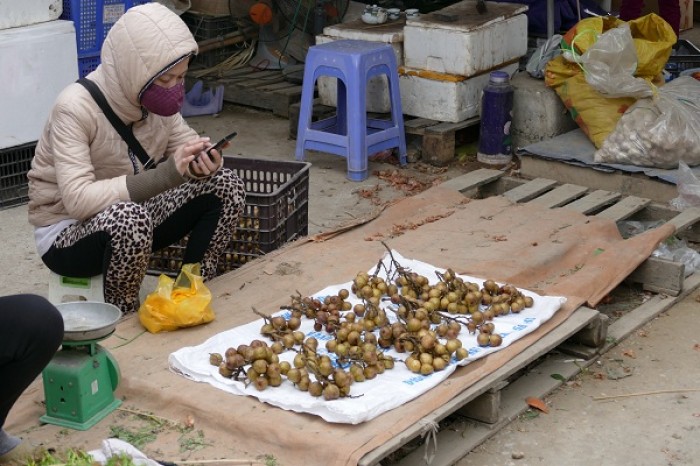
(550, 251)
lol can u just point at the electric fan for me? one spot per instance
(311, 16)
(286, 28)
(269, 50)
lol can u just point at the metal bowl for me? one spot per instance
(88, 320)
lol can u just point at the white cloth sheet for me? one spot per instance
(367, 399)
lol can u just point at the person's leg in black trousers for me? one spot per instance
(31, 331)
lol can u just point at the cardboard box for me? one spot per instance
(210, 7)
(652, 6)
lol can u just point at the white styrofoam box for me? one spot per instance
(377, 88)
(469, 45)
(439, 98)
(388, 33)
(538, 112)
(36, 63)
(16, 13)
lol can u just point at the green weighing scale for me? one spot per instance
(80, 380)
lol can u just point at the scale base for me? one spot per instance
(79, 385)
(84, 425)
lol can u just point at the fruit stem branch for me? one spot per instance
(267, 317)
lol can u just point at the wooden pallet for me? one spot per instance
(262, 89)
(438, 139)
(494, 401)
(655, 274)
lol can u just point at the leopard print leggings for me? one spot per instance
(130, 226)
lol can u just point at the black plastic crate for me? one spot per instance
(276, 211)
(685, 55)
(204, 27)
(15, 162)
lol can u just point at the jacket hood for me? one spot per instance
(145, 42)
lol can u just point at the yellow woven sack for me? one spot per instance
(596, 114)
(184, 302)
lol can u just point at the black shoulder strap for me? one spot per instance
(124, 131)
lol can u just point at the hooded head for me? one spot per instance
(144, 43)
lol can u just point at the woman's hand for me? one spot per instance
(204, 164)
(186, 154)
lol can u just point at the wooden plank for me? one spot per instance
(560, 195)
(279, 87)
(579, 319)
(529, 190)
(485, 407)
(660, 276)
(472, 180)
(417, 125)
(448, 127)
(457, 441)
(438, 148)
(242, 96)
(594, 334)
(625, 183)
(238, 72)
(594, 201)
(259, 83)
(291, 90)
(248, 75)
(625, 208)
(633, 320)
(686, 219)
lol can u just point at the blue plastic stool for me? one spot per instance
(350, 133)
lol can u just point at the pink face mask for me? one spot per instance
(162, 101)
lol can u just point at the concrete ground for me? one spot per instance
(654, 415)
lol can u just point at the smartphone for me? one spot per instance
(219, 145)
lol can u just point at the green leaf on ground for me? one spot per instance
(193, 442)
(137, 438)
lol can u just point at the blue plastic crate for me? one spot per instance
(87, 64)
(93, 19)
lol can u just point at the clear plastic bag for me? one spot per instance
(677, 250)
(659, 131)
(688, 188)
(674, 249)
(610, 64)
(541, 56)
(630, 228)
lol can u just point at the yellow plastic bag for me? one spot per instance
(597, 114)
(184, 302)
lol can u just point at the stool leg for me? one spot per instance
(341, 124)
(397, 111)
(305, 112)
(357, 131)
